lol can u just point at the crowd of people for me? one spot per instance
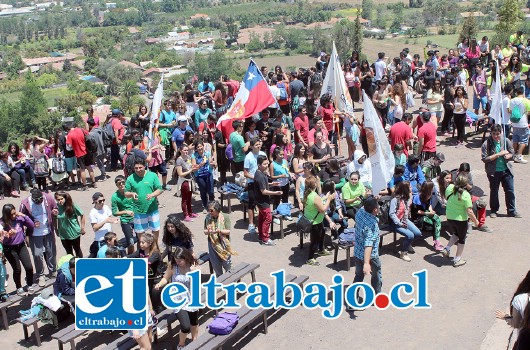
(291, 145)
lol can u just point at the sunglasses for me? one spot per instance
(38, 200)
(100, 201)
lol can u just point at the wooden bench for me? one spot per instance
(167, 317)
(15, 298)
(228, 196)
(203, 259)
(246, 317)
(336, 247)
(68, 335)
(294, 213)
(34, 321)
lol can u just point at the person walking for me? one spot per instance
(217, 228)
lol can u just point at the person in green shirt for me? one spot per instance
(517, 40)
(239, 147)
(352, 193)
(144, 187)
(315, 208)
(123, 208)
(71, 222)
(459, 209)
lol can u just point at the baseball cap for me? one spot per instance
(36, 195)
(440, 156)
(116, 111)
(182, 118)
(96, 196)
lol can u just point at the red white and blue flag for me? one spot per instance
(253, 97)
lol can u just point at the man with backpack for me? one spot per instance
(96, 135)
(239, 147)
(69, 155)
(119, 131)
(283, 97)
(519, 108)
(83, 148)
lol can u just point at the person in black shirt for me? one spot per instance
(262, 197)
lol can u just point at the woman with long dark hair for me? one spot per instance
(315, 208)
(22, 165)
(184, 170)
(366, 77)
(334, 217)
(440, 183)
(435, 99)
(71, 223)
(176, 234)
(399, 214)
(473, 56)
(460, 103)
(448, 104)
(12, 230)
(518, 304)
(182, 262)
(422, 212)
(299, 159)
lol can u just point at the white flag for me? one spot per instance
(379, 150)
(335, 84)
(496, 101)
(155, 107)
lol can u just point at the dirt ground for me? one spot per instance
(463, 299)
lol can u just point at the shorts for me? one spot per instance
(478, 101)
(251, 196)
(86, 161)
(160, 169)
(144, 222)
(70, 163)
(520, 135)
(459, 229)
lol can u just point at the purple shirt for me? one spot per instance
(480, 84)
(18, 225)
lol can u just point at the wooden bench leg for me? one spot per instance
(265, 325)
(348, 257)
(72, 344)
(301, 240)
(253, 275)
(25, 328)
(4, 318)
(36, 333)
(229, 204)
(281, 227)
(335, 255)
(222, 198)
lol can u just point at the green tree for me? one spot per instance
(47, 79)
(366, 9)
(358, 37)
(343, 35)
(32, 106)
(509, 16)
(469, 28)
(126, 91)
(255, 43)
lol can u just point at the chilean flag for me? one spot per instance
(253, 97)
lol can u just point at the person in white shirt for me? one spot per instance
(275, 91)
(380, 66)
(520, 130)
(506, 98)
(39, 207)
(101, 220)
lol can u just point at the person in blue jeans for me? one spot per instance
(202, 161)
(366, 250)
(399, 214)
(334, 217)
(3, 275)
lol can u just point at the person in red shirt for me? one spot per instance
(301, 126)
(232, 85)
(75, 139)
(119, 131)
(328, 113)
(319, 126)
(401, 132)
(427, 137)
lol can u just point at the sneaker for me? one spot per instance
(484, 228)
(324, 252)
(252, 229)
(188, 219)
(269, 242)
(437, 246)
(204, 211)
(520, 159)
(53, 275)
(312, 262)
(21, 292)
(459, 262)
(288, 218)
(4, 297)
(411, 250)
(166, 188)
(15, 194)
(493, 215)
(405, 256)
(31, 289)
(42, 281)
(193, 215)
(515, 215)
(446, 252)
(276, 221)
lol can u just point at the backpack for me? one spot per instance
(283, 91)
(515, 117)
(223, 323)
(384, 211)
(108, 134)
(129, 163)
(90, 142)
(316, 79)
(41, 167)
(296, 103)
(229, 153)
(406, 70)
(58, 165)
